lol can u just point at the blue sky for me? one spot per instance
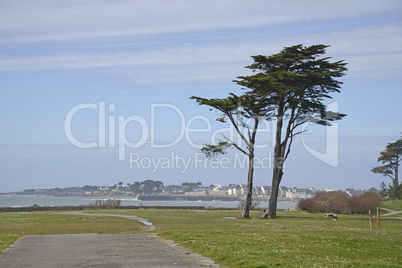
(55, 55)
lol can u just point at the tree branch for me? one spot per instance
(240, 149)
(237, 129)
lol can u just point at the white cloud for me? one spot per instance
(181, 55)
(46, 20)
(368, 50)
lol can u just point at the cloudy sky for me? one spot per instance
(116, 77)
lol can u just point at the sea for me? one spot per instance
(13, 200)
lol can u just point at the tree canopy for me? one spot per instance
(146, 187)
(390, 158)
(295, 83)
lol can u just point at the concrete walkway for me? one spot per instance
(106, 250)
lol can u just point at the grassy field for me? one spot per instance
(389, 205)
(14, 225)
(293, 239)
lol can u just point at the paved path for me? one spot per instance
(390, 212)
(106, 250)
(147, 225)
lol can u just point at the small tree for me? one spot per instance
(384, 190)
(244, 111)
(390, 158)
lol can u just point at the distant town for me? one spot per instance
(156, 190)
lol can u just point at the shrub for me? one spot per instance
(363, 203)
(337, 205)
(340, 202)
(309, 205)
(324, 196)
(105, 204)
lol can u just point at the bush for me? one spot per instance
(340, 202)
(363, 203)
(309, 205)
(328, 202)
(105, 204)
(325, 196)
(337, 205)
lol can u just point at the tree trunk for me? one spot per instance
(273, 200)
(397, 180)
(278, 167)
(395, 188)
(247, 207)
(397, 170)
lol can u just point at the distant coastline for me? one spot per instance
(24, 202)
(173, 197)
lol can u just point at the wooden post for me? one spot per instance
(378, 220)
(370, 216)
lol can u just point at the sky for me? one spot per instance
(97, 92)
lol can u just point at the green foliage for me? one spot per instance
(295, 83)
(394, 190)
(390, 158)
(297, 79)
(238, 110)
(190, 186)
(384, 190)
(146, 187)
(291, 85)
(212, 151)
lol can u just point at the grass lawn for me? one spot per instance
(390, 205)
(293, 239)
(14, 225)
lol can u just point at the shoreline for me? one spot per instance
(160, 197)
(42, 202)
(55, 208)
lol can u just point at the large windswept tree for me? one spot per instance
(295, 83)
(390, 158)
(243, 112)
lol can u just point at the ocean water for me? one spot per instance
(46, 200)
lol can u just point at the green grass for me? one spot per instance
(293, 239)
(390, 205)
(14, 225)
